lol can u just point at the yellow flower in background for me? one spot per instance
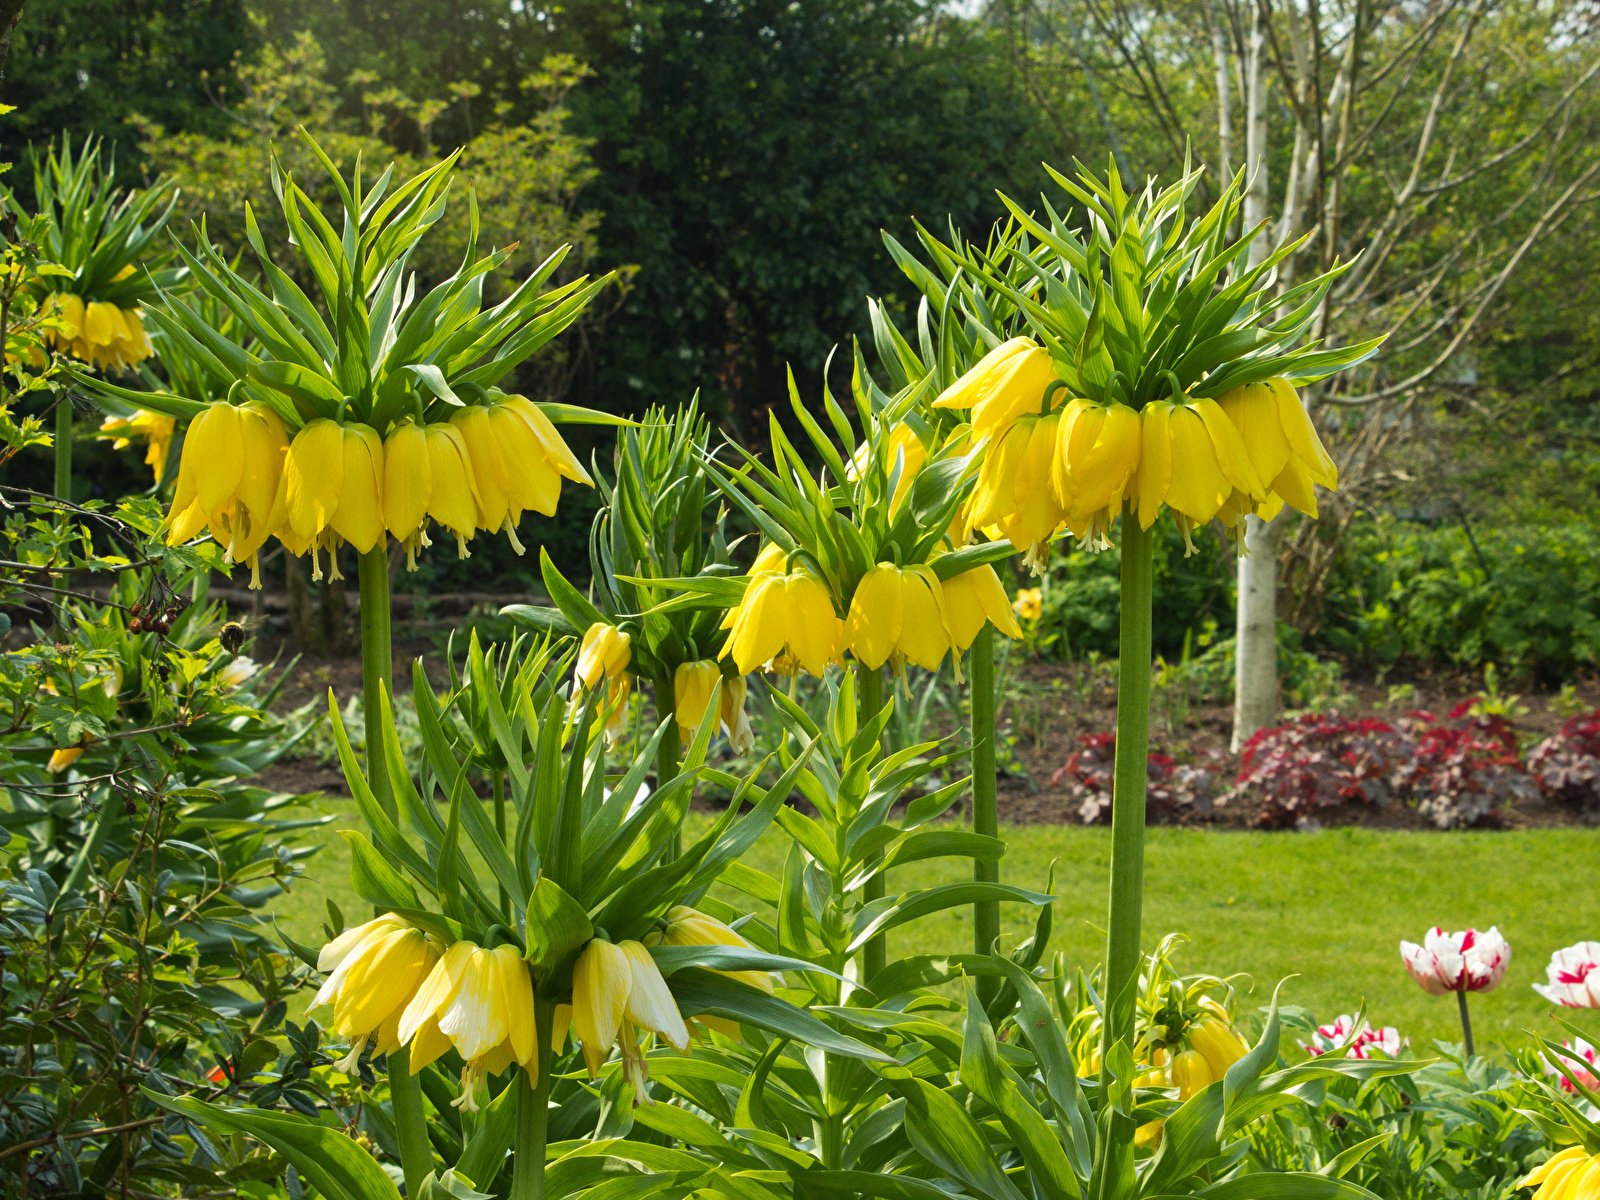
(618, 992)
(905, 453)
(333, 489)
(100, 334)
(1004, 385)
(63, 758)
(898, 613)
(1013, 492)
(480, 1002)
(603, 655)
(1193, 461)
(1097, 455)
(735, 720)
(1282, 445)
(373, 971)
(427, 474)
(687, 926)
(783, 613)
(228, 480)
(1570, 1174)
(972, 598)
(156, 430)
(1028, 603)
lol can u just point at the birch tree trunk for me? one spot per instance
(1255, 648)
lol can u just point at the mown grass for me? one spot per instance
(1327, 908)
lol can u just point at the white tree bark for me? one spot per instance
(1255, 648)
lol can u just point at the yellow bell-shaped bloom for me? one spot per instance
(62, 758)
(693, 684)
(99, 333)
(373, 972)
(1028, 603)
(536, 457)
(157, 430)
(1013, 491)
(783, 613)
(904, 454)
(1005, 384)
(427, 473)
(898, 613)
(480, 1002)
(518, 461)
(972, 598)
(603, 655)
(1282, 445)
(228, 480)
(1192, 460)
(617, 992)
(1570, 1174)
(1213, 1036)
(333, 488)
(685, 926)
(1097, 455)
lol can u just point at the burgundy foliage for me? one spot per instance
(1566, 765)
(1176, 789)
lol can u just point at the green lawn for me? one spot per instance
(1327, 908)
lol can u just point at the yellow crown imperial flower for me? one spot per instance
(685, 926)
(617, 992)
(518, 460)
(1028, 603)
(373, 971)
(427, 473)
(99, 333)
(1007, 383)
(228, 480)
(692, 686)
(1282, 444)
(906, 454)
(333, 491)
(1570, 1174)
(1013, 492)
(481, 1003)
(783, 612)
(741, 737)
(972, 598)
(603, 658)
(157, 430)
(1192, 460)
(898, 613)
(1097, 456)
(1214, 1038)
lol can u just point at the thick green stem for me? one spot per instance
(875, 954)
(533, 1114)
(63, 448)
(377, 665)
(1466, 1023)
(377, 672)
(1128, 804)
(985, 797)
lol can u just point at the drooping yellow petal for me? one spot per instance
(215, 446)
(924, 634)
(359, 517)
(407, 480)
(972, 598)
(453, 501)
(313, 476)
(601, 979)
(1301, 434)
(877, 614)
(438, 991)
(1155, 460)
(814, 630)
(650, 1003)
(489, 468)
(693, 684)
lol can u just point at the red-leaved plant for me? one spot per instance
(1176, 789)
(1566, 765)
(1318, 765)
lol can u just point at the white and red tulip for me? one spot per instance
(1574, 977)
(1466, 961)
(1360, 1039)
